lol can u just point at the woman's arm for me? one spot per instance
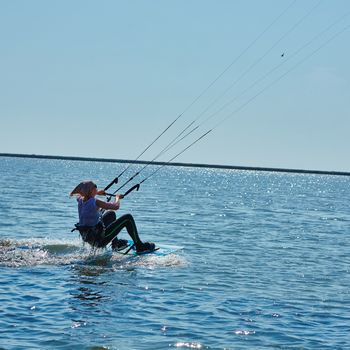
(100, 192)
(109, 205)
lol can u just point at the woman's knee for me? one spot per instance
(128, 217)
(129, 222)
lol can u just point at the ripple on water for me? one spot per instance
(265, 264)
(190, 345)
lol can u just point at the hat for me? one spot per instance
(84, 188)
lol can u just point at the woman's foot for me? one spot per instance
(145, 247)
(119, 244)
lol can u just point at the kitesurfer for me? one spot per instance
(99, 229)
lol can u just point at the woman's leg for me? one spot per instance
(125, 221)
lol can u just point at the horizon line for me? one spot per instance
(178, 164)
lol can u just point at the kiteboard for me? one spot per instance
(160, 250)
(101, 257)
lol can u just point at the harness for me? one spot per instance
(91, 234)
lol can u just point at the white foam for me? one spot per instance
(36, 251)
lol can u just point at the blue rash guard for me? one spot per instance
(89, 213)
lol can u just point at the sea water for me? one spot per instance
(265, 263)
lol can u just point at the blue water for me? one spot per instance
(265, 263)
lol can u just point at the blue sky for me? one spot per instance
(104, 78)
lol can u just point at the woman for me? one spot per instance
(98, 230)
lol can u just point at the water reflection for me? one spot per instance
(90, 288)
(94, 285)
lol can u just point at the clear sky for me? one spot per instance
(104, 78)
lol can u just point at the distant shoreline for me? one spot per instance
(191, 165)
